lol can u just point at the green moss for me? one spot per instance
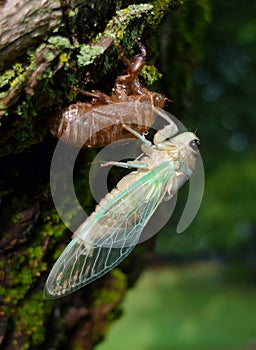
(118, 24)
(160, 8)
(120, 278)
(108, 298)
(29, 310)
(30, 318)
(112, 294)
(25, 270)
(15, 218)
(27, 265)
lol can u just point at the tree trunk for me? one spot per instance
(46, 48)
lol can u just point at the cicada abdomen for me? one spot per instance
(99, 122)
(99, 126)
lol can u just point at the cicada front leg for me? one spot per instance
(135, 65)
(139, 136)
(126, 165)
(136, 164)
(167, 132)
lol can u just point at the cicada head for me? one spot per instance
(187, 145)
(158, 100)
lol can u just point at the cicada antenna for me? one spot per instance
(195, 132)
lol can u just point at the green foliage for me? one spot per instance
(225, 224)
(10, 74)
(185, 308)
(227, 219)
(182, 54)
(150, 74)
(227, 123)
(223, 109)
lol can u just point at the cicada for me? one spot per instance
(99, 122)
(111, 232)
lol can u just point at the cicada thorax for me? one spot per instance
(100, 122)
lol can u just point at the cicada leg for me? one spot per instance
(97, 95)
(128, 165)
(139, 136)
(136, 64)
(129, 83)
(168, 131)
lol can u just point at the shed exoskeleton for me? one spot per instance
(99, 121)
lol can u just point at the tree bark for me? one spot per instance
(24, 24)
(46, 47)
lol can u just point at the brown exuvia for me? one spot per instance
(99, 122)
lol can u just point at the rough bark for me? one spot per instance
(25, 23)
(45, 48)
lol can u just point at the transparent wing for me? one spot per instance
(109, 234)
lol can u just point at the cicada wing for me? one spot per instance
(108, 235)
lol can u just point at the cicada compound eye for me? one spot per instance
(195, 144)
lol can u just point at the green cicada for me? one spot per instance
(111, 232)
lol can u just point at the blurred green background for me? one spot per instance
(202, 293)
